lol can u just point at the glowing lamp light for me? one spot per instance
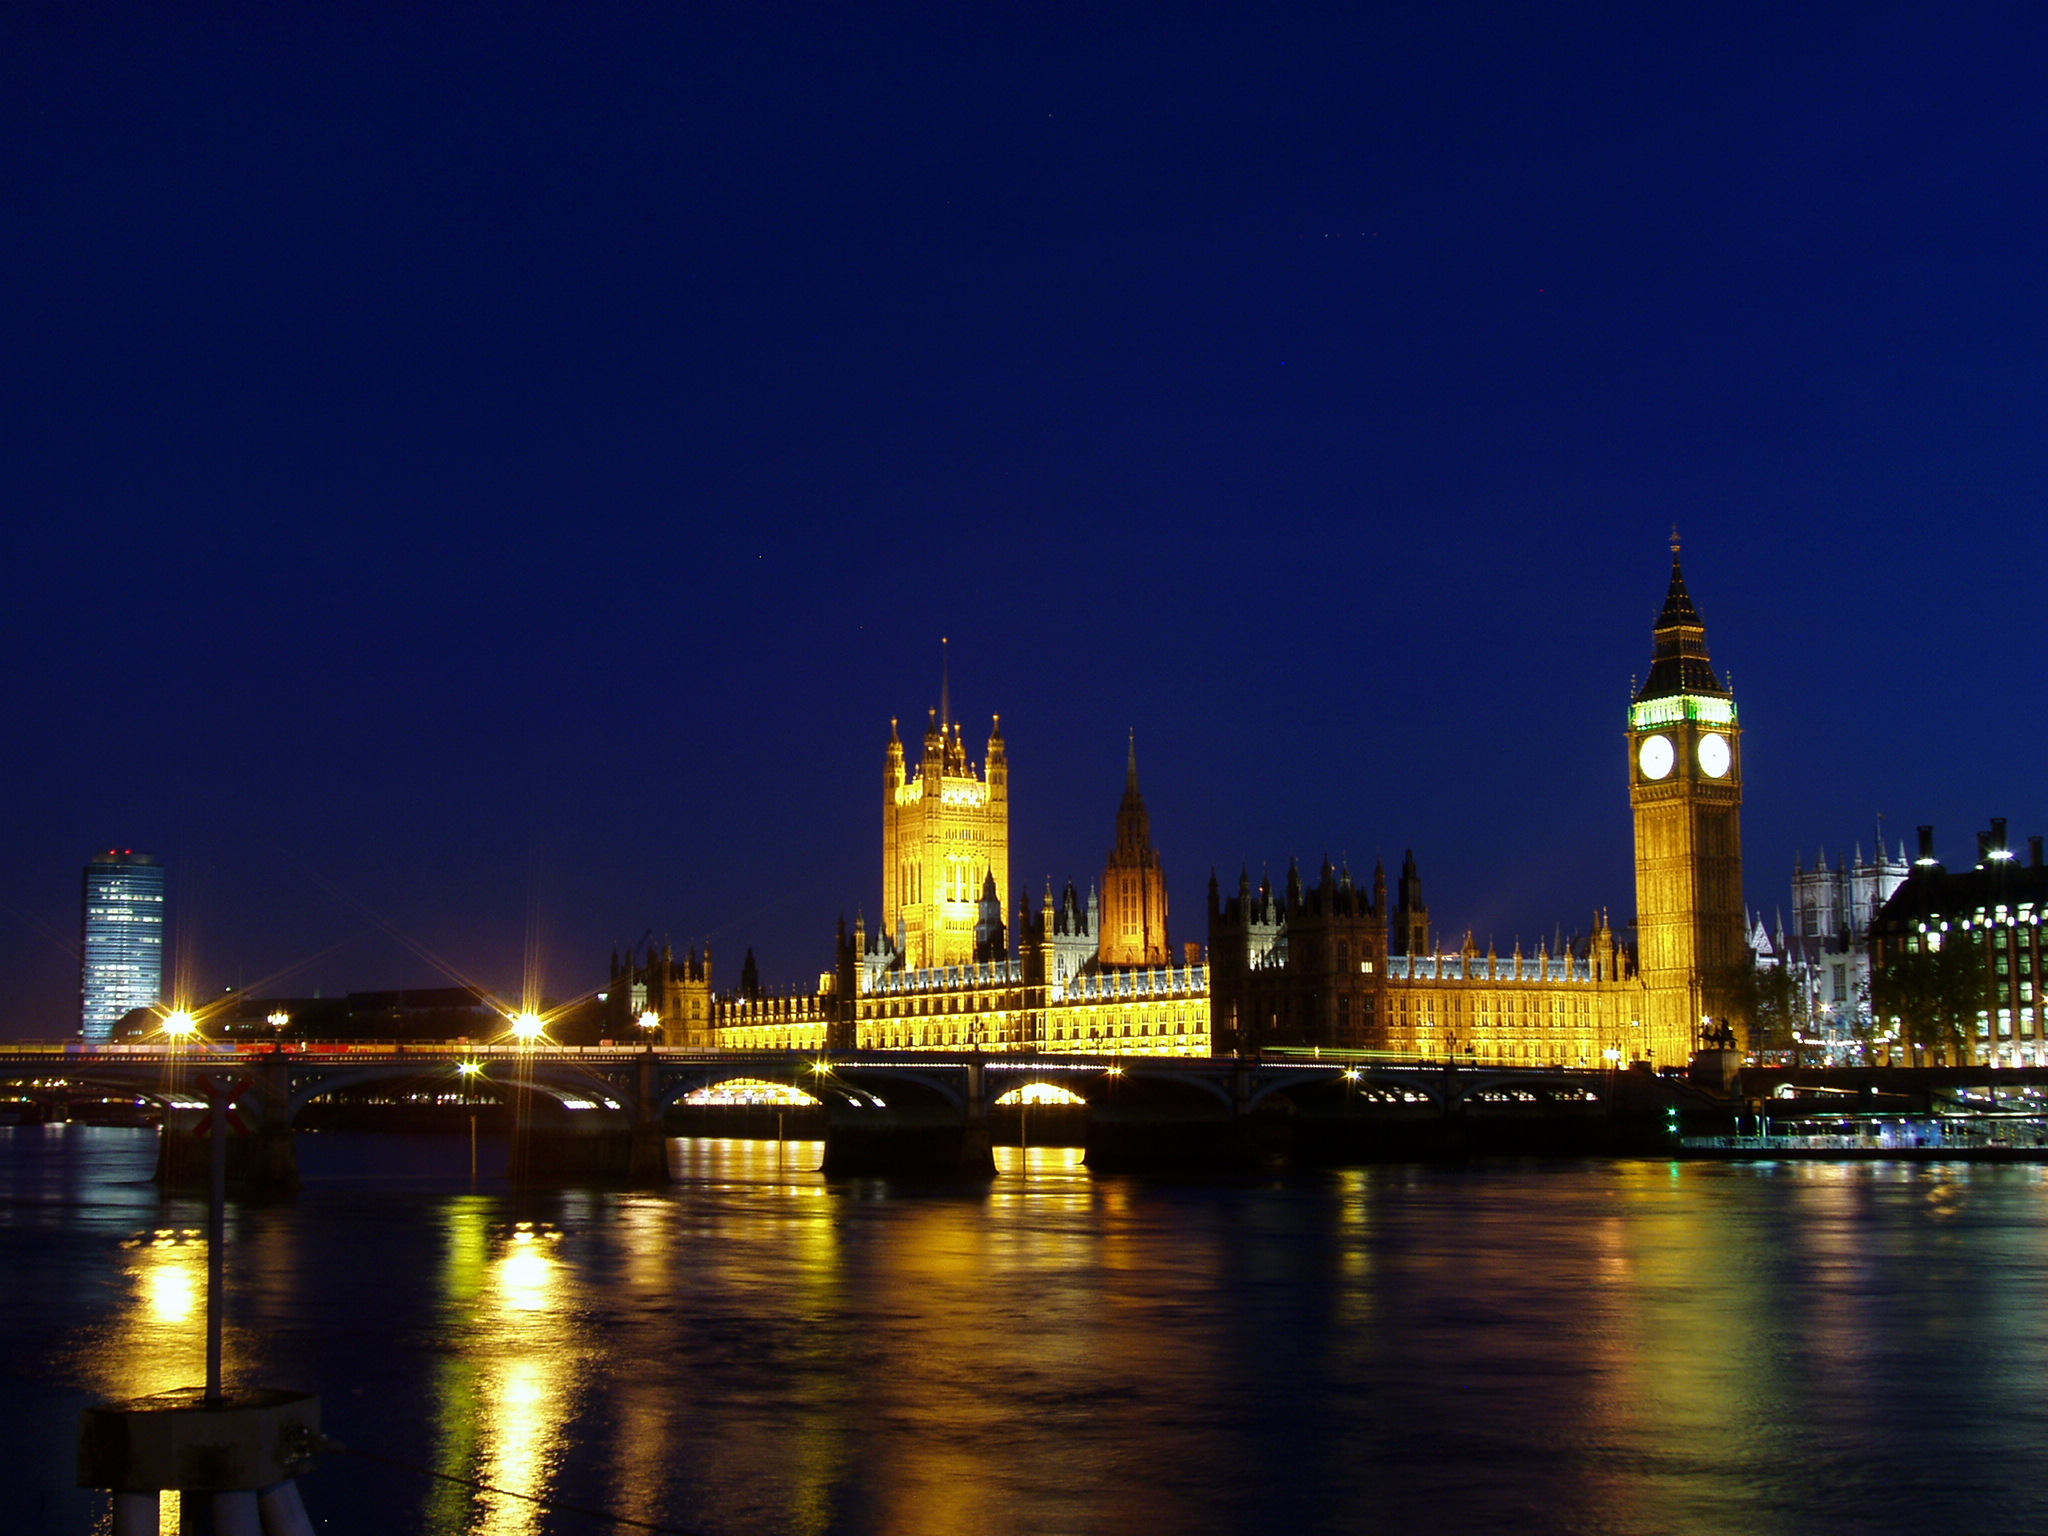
(527, 1026)
(180, 1024)
(650, 1020)
(468, 1068)
(1612, 1053)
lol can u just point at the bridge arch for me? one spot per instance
(1056, 1095)
(677, 1084)
(125, 1084)
(573, 1088)
(1382, 1089)
(1510, 1089)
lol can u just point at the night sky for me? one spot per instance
(480, 473)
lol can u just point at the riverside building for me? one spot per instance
(122, 949)
(1329, 964)
(1081, 976)
(1332, 965)
(1957, 958)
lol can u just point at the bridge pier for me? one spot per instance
(263, 1162)
(600, 1154)
(918, 1132)
(552, 1145)
(1138, 1125)
(888, 1144)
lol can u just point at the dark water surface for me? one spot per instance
(1786, 1348)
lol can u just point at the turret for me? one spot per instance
(990, 941)
(1409, 934)
(998, 763)
(892, 769)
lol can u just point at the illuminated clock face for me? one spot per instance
(1656, 757)
(1714, 755)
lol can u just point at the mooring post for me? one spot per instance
(220, 1098)
(233, 1460)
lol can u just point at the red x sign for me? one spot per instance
(223, 1092)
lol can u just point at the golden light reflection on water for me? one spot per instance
(508, 1389)
(174, 1292)
(643, 1406)
(1677, 1342)
(1749, 1350)
(1627, 1347)
(157, 1338)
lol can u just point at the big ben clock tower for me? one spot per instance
(1685, 782)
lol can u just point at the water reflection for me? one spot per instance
(508, 1387)
(1646, 1347)
(156, 1338)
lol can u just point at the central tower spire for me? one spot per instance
(1679, 663)
(1134, 884)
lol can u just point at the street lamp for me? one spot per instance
(527, 1026)
(179, 1024)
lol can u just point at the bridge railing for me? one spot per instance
(119, 1051)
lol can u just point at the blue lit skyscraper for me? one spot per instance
(123, 964)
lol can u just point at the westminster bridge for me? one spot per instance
(597, 1112)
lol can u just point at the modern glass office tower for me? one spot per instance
(124, 939)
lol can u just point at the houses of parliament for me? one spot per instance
(1319, 961)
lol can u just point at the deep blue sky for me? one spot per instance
(481, 466)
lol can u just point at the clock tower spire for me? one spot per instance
(1685, 783)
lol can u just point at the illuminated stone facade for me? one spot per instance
(1315, 966)
(1014, 1004)
(1333, 966)
(1052, 990)
(945, 835)
(1324, 965)
(1053, 995)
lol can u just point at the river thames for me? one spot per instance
(1576, 1347)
